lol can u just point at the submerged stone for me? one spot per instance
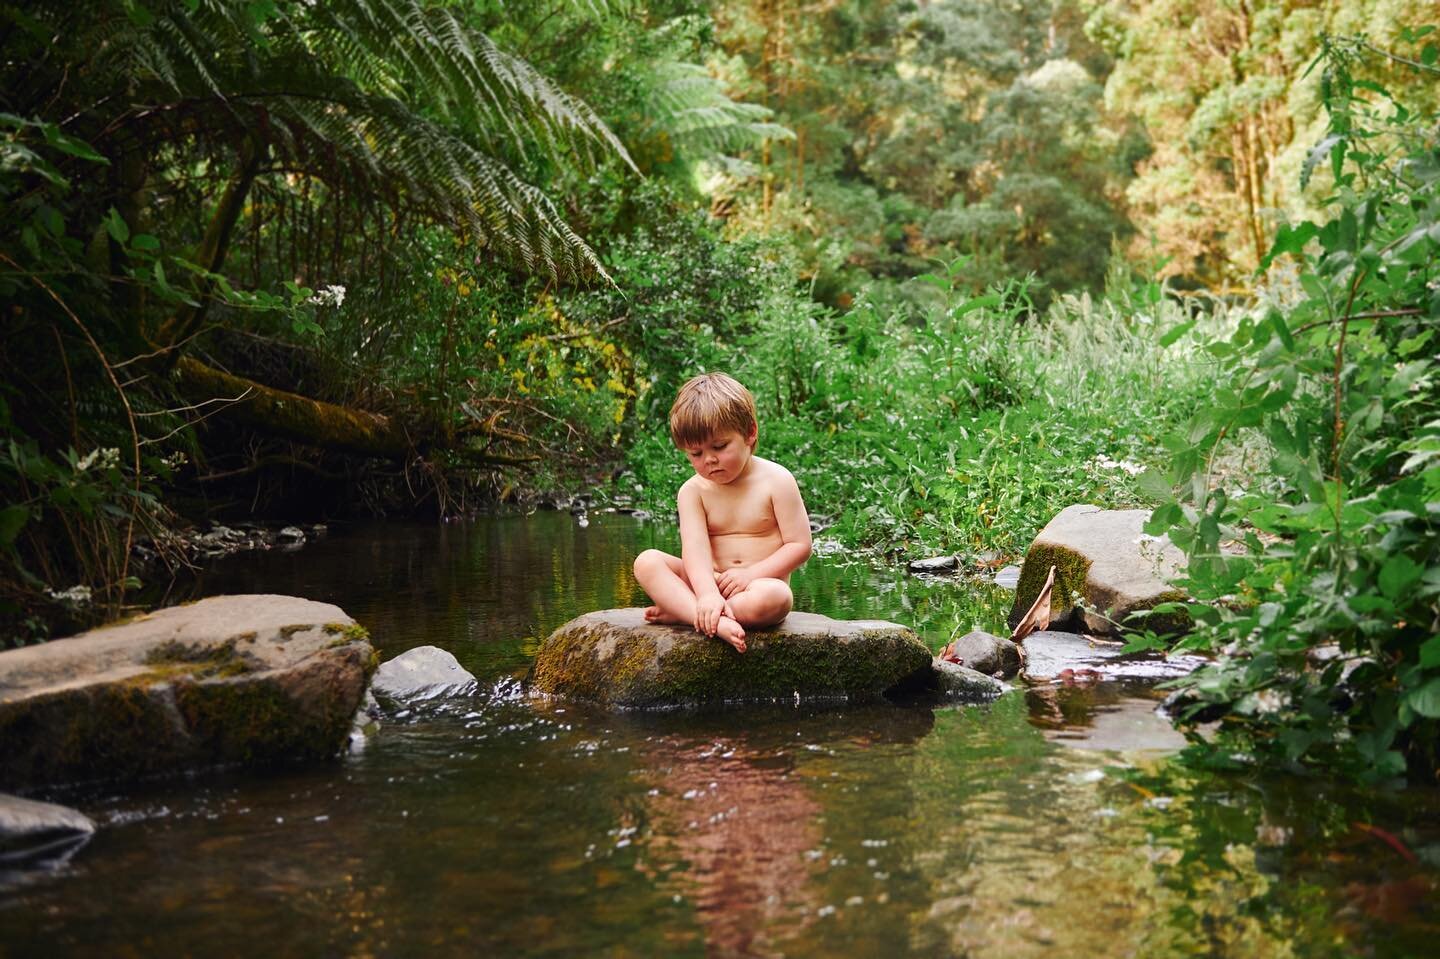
(955, 682)
(425, 672)
(34, 832)
(1105, 558)
(935, 564)
(613, 657)
(226, 680)
(1051, 654)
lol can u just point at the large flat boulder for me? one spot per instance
(613, 657)
(1106, 558)
(226, 680)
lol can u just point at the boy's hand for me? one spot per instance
(734, 580)
(708, 610)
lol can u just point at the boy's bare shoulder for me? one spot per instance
(772, 472)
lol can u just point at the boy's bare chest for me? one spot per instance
(744, 512)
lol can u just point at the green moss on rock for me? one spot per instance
(1070, 572)
(614, 658)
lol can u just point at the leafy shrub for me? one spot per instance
(1320, 591)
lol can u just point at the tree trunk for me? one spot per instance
(329, 426)
(290, 415)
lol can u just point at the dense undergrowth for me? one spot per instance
(940, 421)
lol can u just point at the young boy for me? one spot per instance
(743, 525)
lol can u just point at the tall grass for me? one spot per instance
(926, 419)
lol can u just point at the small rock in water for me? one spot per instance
(935, 564)
(424, 672)
(1008, 577)
(987, 653)
(961, 683)
(291, 534)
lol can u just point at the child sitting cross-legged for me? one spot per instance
(743, 525)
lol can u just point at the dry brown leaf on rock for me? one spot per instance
(1038, 615)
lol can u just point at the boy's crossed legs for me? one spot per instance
(764, 602)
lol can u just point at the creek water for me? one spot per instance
(1049, 822)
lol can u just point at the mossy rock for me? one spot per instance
(1105, 557)
(226, 680)
(614, 658)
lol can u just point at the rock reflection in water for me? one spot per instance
(742, 819)
(1102, 716)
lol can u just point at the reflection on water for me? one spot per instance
(1047, 822)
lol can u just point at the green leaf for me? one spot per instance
(1398, 575)
(115, 225)
(1426, 699)
(73, 146)
(12, 520)
(1174, 334)
(978, 302)
(144, 241)
(1292, 240)
(1156, 486)
(1430, 653)
(1319, 153)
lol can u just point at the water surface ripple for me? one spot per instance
(1047, 823)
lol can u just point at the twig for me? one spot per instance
(190, 423)
(558, 337)
(1373, 315)
(196, 406)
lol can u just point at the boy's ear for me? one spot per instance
(753, 437)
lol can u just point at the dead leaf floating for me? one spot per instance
(1038, 616)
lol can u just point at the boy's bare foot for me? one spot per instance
(732, 632)
(654, 614)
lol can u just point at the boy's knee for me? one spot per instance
(648, 561)
(776, 595)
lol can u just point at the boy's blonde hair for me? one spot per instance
(708, 404)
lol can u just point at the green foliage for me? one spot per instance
(944, 421)
(1318, 582)
(142, 145)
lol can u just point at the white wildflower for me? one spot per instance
(74, 596)
(108, 457)
(1104, 462)
(1267, 702)
(328, 296)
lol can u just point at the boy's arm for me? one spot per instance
(794, 523)
(697, 559)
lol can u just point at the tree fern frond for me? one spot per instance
(691, 107)
(402, 96)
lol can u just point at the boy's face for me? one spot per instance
(722, 457)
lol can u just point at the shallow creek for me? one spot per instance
(1047, 823)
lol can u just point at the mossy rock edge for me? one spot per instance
(229, 680)
(614, 658)
(1104, 557)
